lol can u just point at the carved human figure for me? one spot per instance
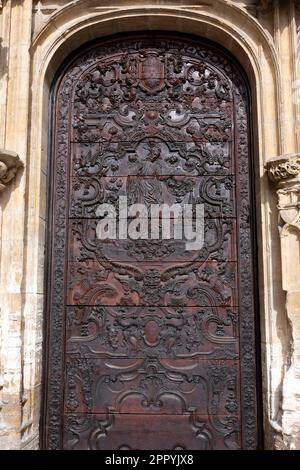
(147, 190)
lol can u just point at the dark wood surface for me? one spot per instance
(149, 345)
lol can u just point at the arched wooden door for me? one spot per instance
(150, 345)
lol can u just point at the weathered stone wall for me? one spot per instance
(35, 37)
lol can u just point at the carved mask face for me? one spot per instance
(152, 278)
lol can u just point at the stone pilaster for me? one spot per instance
(284, 173)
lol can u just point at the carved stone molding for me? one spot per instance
(284, 172)
(9, 164)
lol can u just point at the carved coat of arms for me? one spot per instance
(152, 73)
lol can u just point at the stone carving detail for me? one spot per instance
(152, 118)
(285, 173)
(265, 4)
(9, 165)
(284, 168)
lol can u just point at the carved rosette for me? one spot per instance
(9, 164)
(284, 171)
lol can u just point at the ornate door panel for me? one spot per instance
(151, 345)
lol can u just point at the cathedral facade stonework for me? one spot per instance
(36, 38)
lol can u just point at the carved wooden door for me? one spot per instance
(151, 345)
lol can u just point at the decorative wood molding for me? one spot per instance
(9, 164)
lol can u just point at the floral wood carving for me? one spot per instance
(9, 165)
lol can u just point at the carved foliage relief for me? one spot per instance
(151, 344)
